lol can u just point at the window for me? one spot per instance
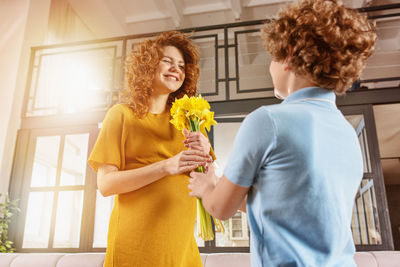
(370, 223)
(56, 189)
(236, 228)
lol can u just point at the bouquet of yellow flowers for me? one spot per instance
(193, 113)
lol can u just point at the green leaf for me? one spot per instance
(7, 210)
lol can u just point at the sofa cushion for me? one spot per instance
(6, 259)
(365, 259)
(82, 260)
(228, 259)
(362, 259)
(36, 259)
(387, 258)
(203, 258)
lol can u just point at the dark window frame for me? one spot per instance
(376, 175)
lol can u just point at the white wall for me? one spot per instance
(23, 24)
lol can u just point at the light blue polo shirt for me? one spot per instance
(303, 164)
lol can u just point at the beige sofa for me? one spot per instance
(363, 259)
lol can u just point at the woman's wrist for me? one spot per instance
(166, 166)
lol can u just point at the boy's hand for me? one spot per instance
(201, 183)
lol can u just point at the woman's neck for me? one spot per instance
(158, 103)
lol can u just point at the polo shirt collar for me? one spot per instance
(312, 93)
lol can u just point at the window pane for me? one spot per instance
(104, 207)
(45, 161)
(199, 240)
(68, 220)
(365, 221)
(38, 217)
(236, 228)
(74, 160)
(72, 81)
(236, 232)
(207, 78)
(357, 121)
(253, 62)
(224, 135)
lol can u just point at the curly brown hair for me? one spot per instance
(142, 63)
(323, 41)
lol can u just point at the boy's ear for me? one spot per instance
(286, 64)
(287, 67)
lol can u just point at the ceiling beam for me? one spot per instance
(155, 15)
(211, 7)
(254, 3)
(236, 9)
(175, 12)
(102, 21)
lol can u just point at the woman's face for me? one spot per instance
(280, 76)
(170, 72)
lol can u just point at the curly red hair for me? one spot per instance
(323, 41)
(142, 63)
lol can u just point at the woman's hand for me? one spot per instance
(197, 141)
(187, 161)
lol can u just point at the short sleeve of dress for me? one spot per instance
(109, 148)
(252, 148)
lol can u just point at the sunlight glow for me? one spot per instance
(74, 81)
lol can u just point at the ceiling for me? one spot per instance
(125, 17)
(111, 18)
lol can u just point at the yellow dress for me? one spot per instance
(152, 226)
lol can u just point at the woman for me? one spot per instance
(141, 158)
(299, 162)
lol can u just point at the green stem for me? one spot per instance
(194, 125)
(200, 169)
(204, 224)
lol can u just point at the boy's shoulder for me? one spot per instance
(273, 110)
(266, 109)
(262, 115)
(280, 113)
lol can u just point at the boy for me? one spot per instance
(299, 162)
